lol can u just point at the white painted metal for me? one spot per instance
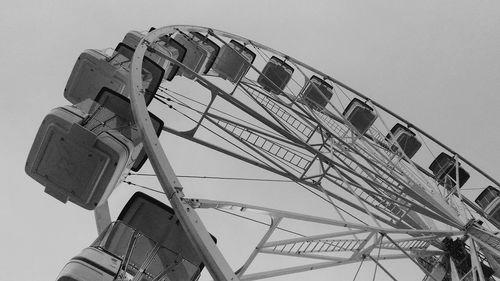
(205, 203)
(336, 242)
(476, 266)
(199, 236)
(274, 225)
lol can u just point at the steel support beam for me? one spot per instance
(196, 231)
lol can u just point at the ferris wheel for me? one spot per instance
(363, 185)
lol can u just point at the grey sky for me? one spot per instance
(436, 63)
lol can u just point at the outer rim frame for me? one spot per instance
(197, 233)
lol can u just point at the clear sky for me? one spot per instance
(436, 63)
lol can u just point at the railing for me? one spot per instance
(142, 256)
(319, 246)
(280, 112)
(269, 146)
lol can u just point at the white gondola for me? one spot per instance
(94, 70)
(360, 115)
(166, 47)
(132, 39)
(78, 163)
(489, 201)
(210, 47)
(405, 138)
(316, 93)
(82, 152)
(196, 56)
(445, 171)
(103, 267)
(146, 243)
(91, 73)
(275, 75)
(120, 106)
(233, 61)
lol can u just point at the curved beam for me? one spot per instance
(196, 231)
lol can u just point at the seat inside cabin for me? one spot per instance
(360, 115)
(233, 62)
(317, 93)
(275, 75)
(444, 169)
(406, 139)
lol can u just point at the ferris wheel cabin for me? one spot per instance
(152, 73)
(316, 93)
(405, 139)
(167, 47)
(489, 201)
(147, 242)
(132, 39)
(210, 47)
(275, 75)
(444, 168)
(196, 56)
(233, 61)
(360, 115)
(120, 109)
(94, 70)
(82, 152)
(75, 163)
